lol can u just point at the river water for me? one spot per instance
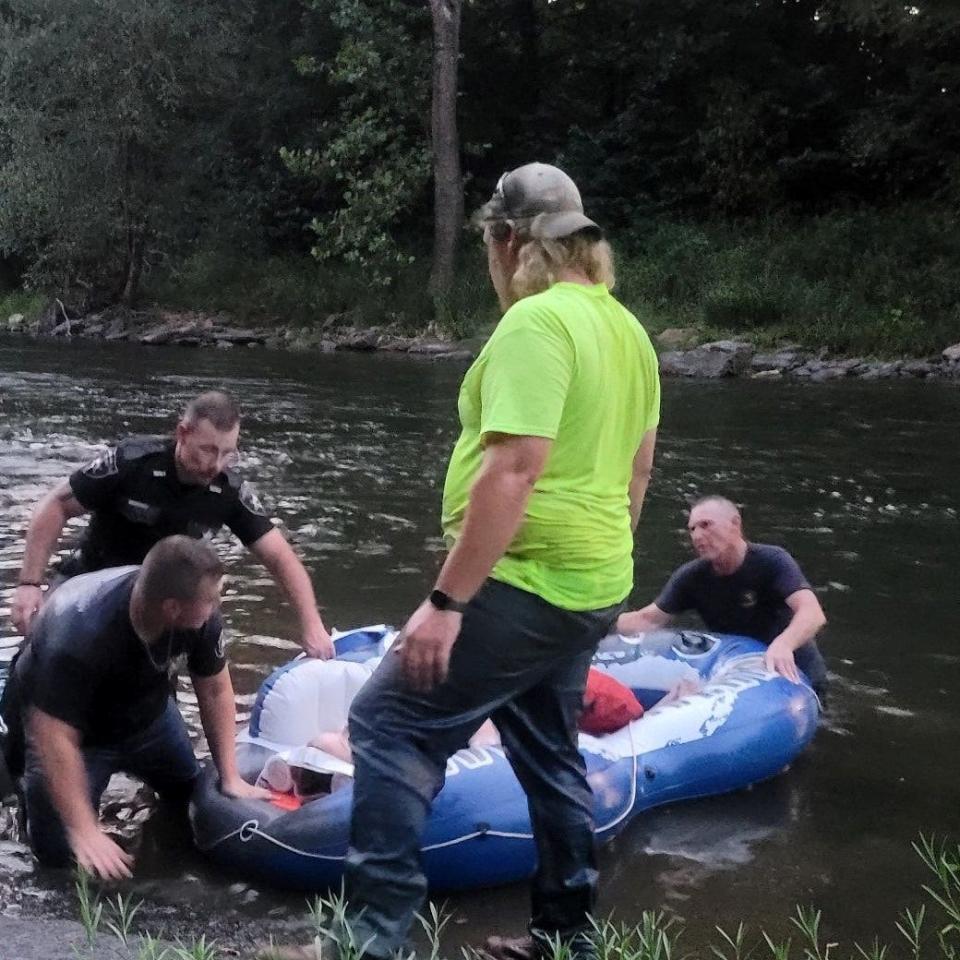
(860, 480)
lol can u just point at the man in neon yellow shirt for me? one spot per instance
(543, 491)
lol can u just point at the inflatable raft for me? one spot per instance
(744, 724)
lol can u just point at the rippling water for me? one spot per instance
(860, 481)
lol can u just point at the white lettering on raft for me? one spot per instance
(473, 758)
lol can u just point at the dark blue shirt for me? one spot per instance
(85, 665)
(751, 601)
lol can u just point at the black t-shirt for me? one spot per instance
(136, 499)
(85, 664)
(751, 601)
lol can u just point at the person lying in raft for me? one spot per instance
(608, 705)
(299, 778)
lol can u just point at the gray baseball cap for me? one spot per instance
(540, 200)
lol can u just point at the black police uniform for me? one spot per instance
(136, 499)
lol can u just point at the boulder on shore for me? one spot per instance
(676, 338)
(722, 358)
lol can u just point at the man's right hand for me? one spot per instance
(98, 854)
(26, 603)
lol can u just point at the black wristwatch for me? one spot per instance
(443, 601)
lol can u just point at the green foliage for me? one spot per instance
(196, 950)
(108, 125)
(122, 911)
(145, 136)
(150, 948)
(297, 291)
(875, 283)
(860, 284)
(20, 301)
(371, 155)
(655, 937)
(434, 923)
(90, 907)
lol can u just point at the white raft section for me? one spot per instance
(744, 724)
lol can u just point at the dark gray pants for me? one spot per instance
(522, 662)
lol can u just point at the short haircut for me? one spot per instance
(213, 405)
(175, 569)
(715, 498)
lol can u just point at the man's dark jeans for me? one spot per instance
(160, 755)
(522, 662)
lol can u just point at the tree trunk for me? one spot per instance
(447, 180)
(134, 265)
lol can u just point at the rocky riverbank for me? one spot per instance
(166, 328)
(681, 355)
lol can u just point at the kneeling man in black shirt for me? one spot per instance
(752, 589)
(95, 698)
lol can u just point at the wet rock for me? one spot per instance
(952, 354)
(359, 339)
(224, 345)
(10, 822)
(239, 336)
(117, 330)
(166, 332)
(918, 368)
(828, 373)
(15, 858)
(396, 343)
(782, 360)
(15, 322)
(818, 371)
(880, 370)
(454, 355)
(722, 358)
(767, 375)
(429, 347)
(677, 338)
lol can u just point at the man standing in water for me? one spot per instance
(543, 491)
(95, 694)
(752, 589)
(148, 488)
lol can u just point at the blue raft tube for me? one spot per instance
(744, 724)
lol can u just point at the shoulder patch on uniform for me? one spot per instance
(234, 480)
(104, 466)
(249, 498)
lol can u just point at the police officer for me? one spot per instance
(145, 489)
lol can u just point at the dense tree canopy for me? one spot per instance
(131, 130)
